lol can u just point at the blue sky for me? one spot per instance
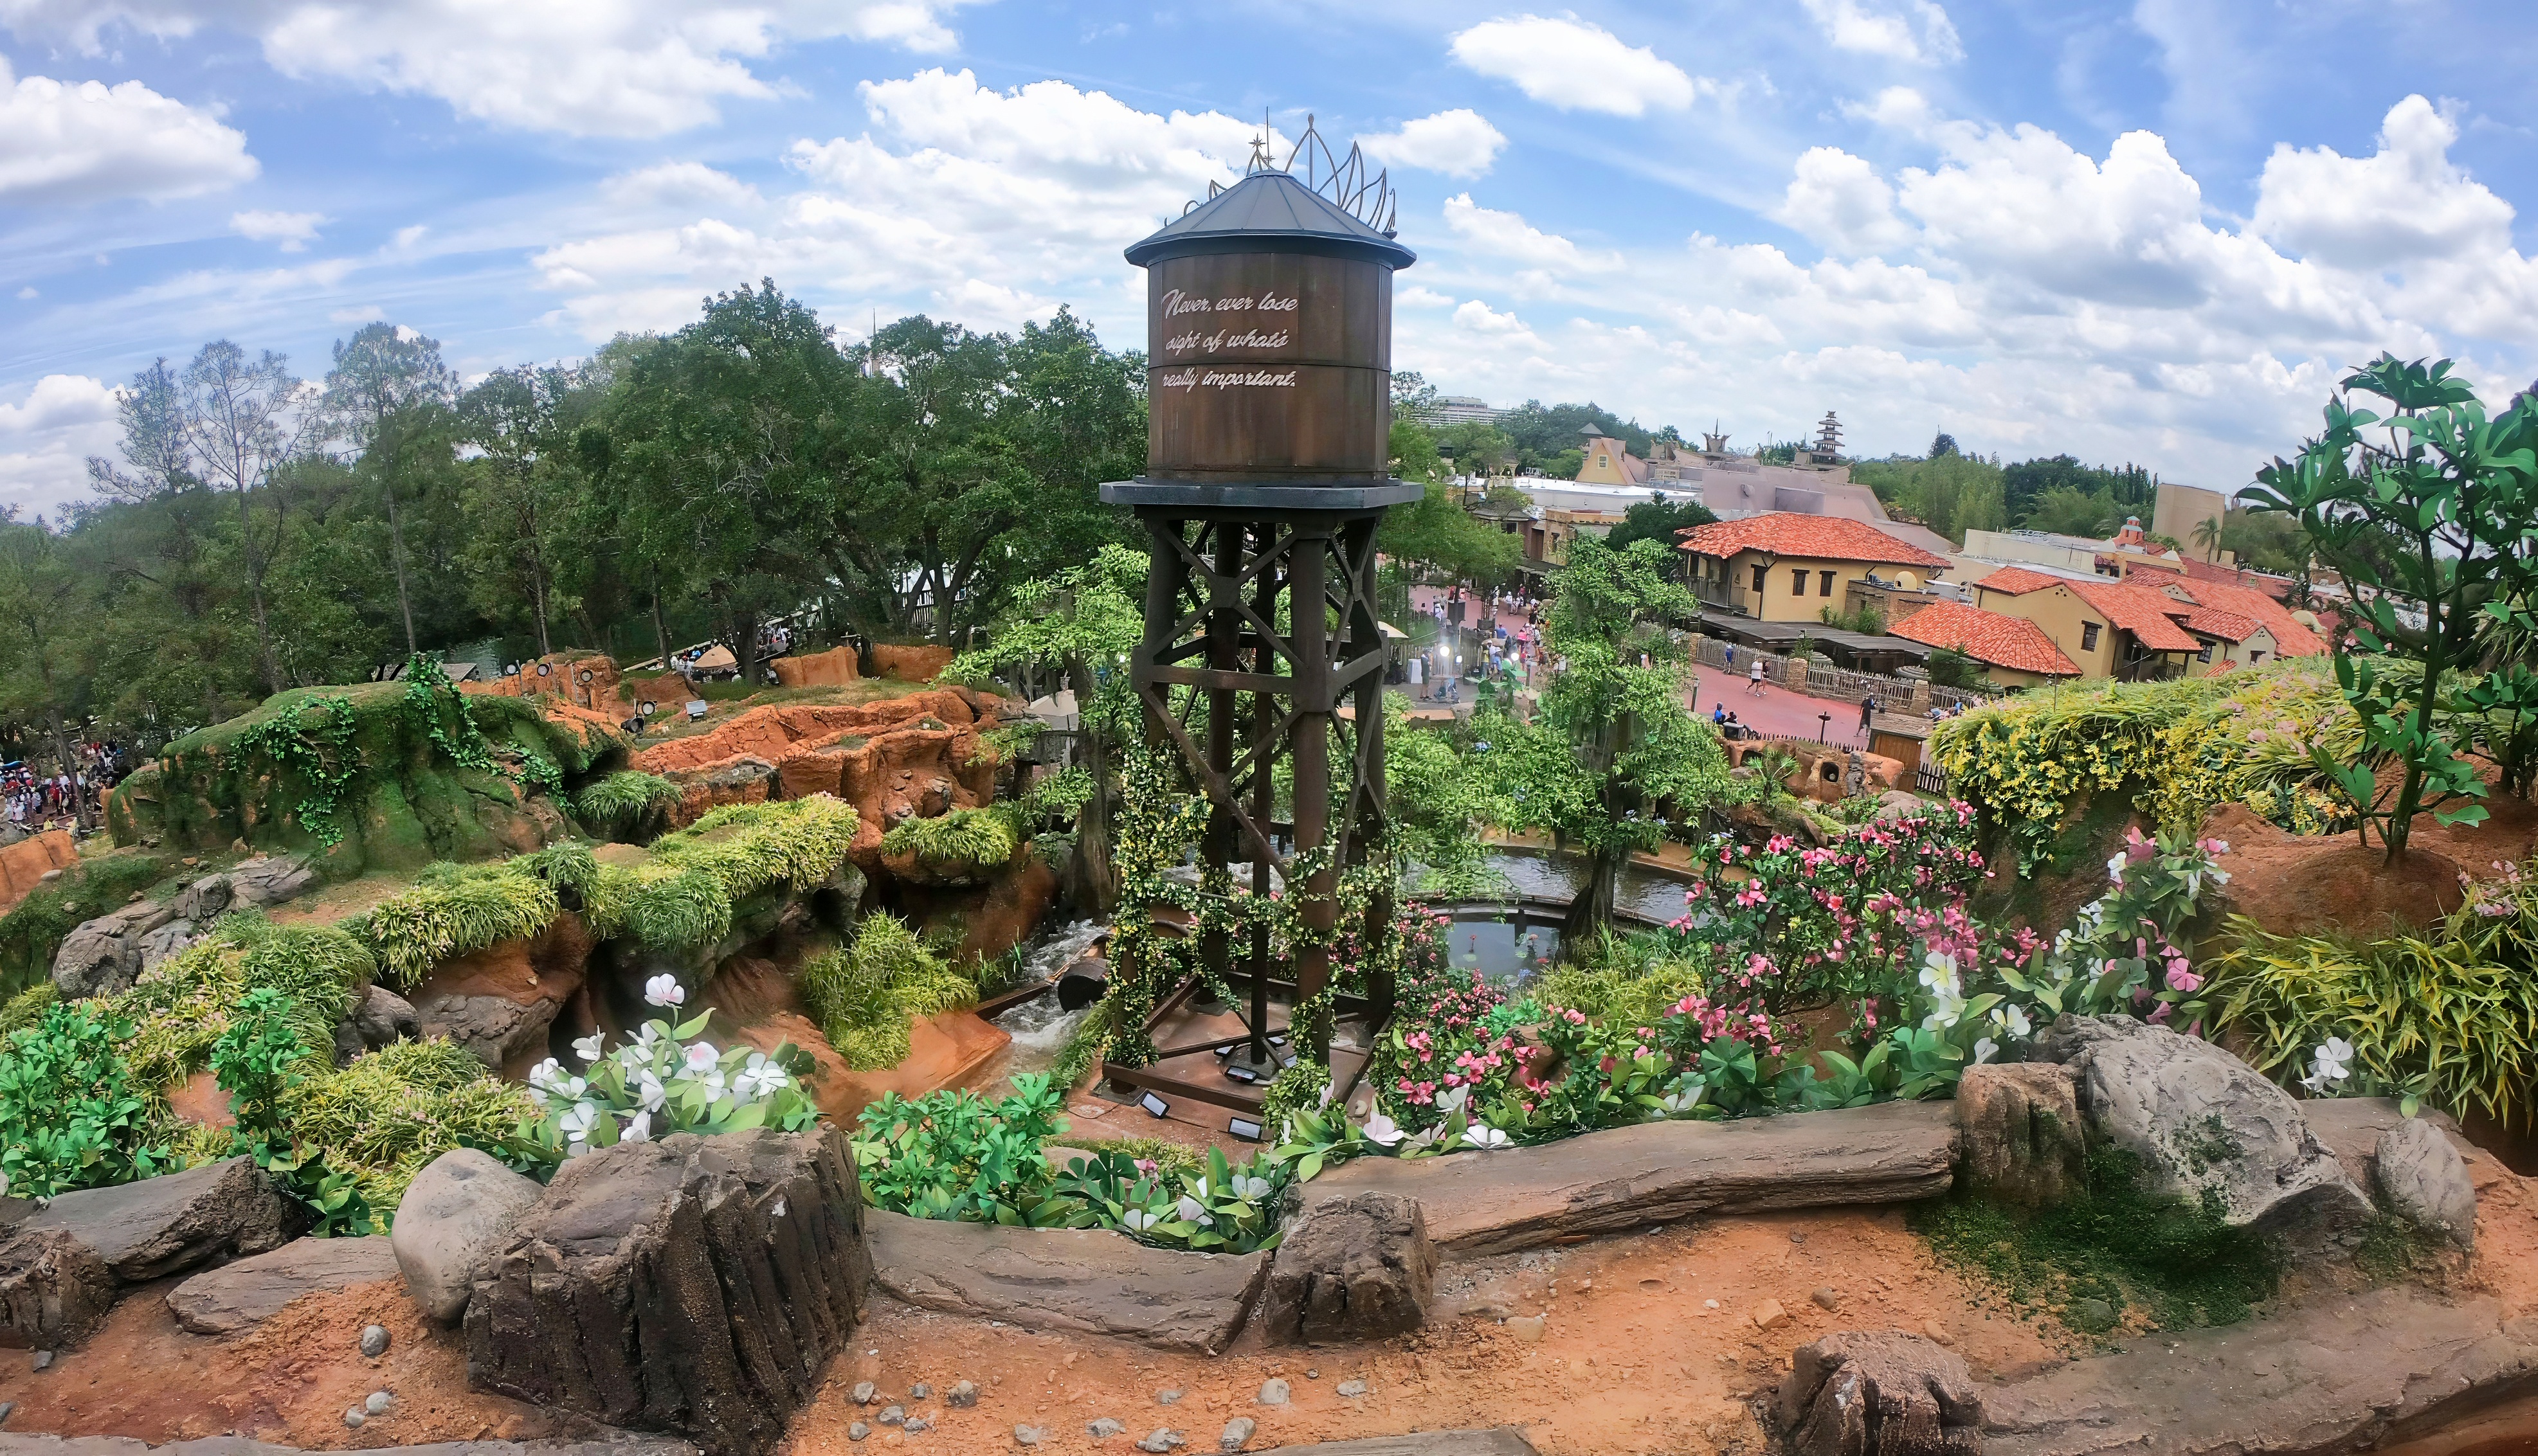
(2149, 231)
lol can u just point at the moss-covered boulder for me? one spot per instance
(375, 775)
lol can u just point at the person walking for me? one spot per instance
(1867, 709)
(1756, 689)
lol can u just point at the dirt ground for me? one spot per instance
(1649, 1343)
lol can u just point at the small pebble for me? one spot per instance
(1103, 1429)
(377, 1404)
(1709, 1305)
(1527, 1328)
(892, 1416)
(1162, 1440)
(963, 1396)
(858, 1431)
(1770, 1314)
(1167, 1397)
(866, 1392)
(920, 1391)
(1237, 1434)
(1938, 1332)
(354, 1417)
(916, 1423)
(1030, 1435)
(43, 1359)
(1273, 1392)
(375, 1341)
(6, 1407)
(1827, 1299)
(1352, 1388)
(1797, 1238)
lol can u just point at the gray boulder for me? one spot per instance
(268, 879)
(2019, 1132)
(2424, 1181)
(1358, 1266)
(1892, 1394)
(61, 1269)
(452, 1215)
(166, 941)
(383, 1016)
(2204, 1122)
(497, 1029)
(237, 1298)
(693, 1285)
(103, 957)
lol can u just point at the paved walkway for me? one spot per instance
(1778, 713)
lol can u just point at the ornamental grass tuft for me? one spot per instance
(865, 995)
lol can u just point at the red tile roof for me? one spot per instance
(2228, 626)
(1825, 538)
(1986, 636)
(2142, 611)
(2277, 587)
(2290, 638)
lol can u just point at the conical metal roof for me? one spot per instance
(1270, 211)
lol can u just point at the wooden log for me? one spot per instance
(1494, 1202)
(1080, 1280)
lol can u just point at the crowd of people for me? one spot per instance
(32, 798)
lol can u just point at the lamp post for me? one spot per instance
(1824, 726)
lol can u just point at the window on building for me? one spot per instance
(2088, 636)
(1757, 579)
(1798, 582)
(2205, 655)
(1823, 588)
(2254, 656)
(1603, 462)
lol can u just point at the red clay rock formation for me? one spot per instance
(833, 668)
(563, 679)
(918, 664)
(24, 864)
(918, 755)
(499, 1002)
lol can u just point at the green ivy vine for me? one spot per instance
(318, 747)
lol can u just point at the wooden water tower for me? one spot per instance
(1269, 390)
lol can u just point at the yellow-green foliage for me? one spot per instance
(964, 837)
(683, 894)
(27, 1006)
(182, 1005)
(2451, 1013)
(455, 909)
(2178, 748)
(865, 995)
(626, 802)
(382, 1118)
(1622, 989)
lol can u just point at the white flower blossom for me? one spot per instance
(1485, 1137)
(1191, 1211)
(1938, 973)
(580, 1120)
(1986, 1049)
(761, 1078)
(2330, 1064)
(1677, 1103)
(2115, 868)
(1247, 1187)
(665, 990)
(1451, 1099)
(650, 1094)
(2011, 1020)
(1382, 1131)
(543, 1072)
(700, 1059)
(587, 1047)
(638, 1128)
(1139, 1220)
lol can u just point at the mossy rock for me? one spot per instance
(374, 775)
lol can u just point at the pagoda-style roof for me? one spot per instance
(1270, 211)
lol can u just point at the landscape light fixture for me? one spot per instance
(543, 669)
(1223, 1052)
(1823, 725)
(648, 707)
(697, 709)
(1244, 1128)
(1154, 1106)
(1236, 1071)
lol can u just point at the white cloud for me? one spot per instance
(679, 185)
(1916, 30)
(1572, 65)
(1509, 235)
(294, 230)
(1412, 295)
(1459, 142)
(1840, 203)
(1897, 108)
(85, 140)
(2407, 203)
(1000, 202)
(359, 313)
(631, 68)
(47, 436)
(28, 292)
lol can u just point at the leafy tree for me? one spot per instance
(520, 494)
(2206, 536)
(1943, 443)
(234, 409)
(1954, 667)
(1546, 434)
(2069, 510)
(1950, 493)
(1662, 521)
(1615, 750)
(388, 398)
(2460, 491)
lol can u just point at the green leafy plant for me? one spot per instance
(257, 1061)
(70, 1114)
(312, 738)
(2436, 514)
(181, 1007)
(455, 909)
(864, 995)
(659, 1081)
(953, 1154)
(628, 803)
(960, 840)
